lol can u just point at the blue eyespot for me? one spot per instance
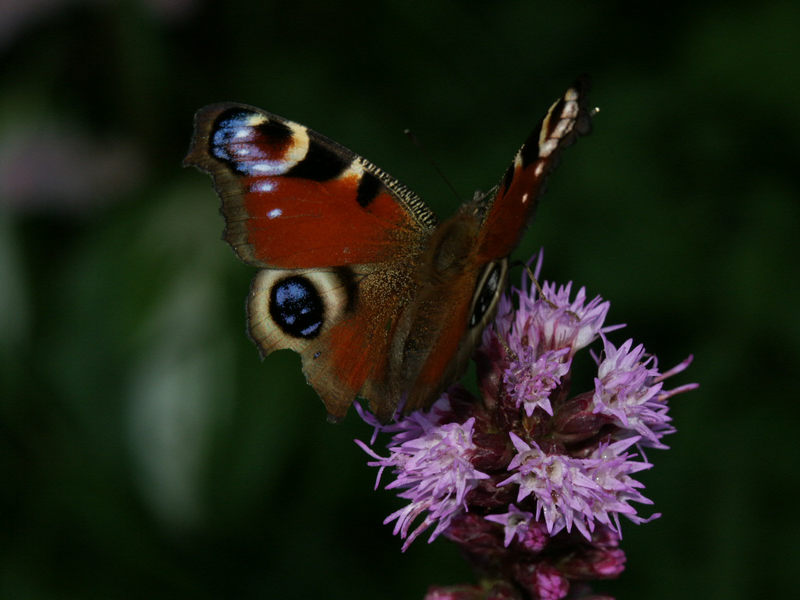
(295, 305)
(228, 125)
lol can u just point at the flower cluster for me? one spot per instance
(531, 479)
(432, 463)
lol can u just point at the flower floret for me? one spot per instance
(578, 492)
(629, 390)
(433, 471)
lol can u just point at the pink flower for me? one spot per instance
(518, 524)
(578, 491)
(629, 389)
(432, 469)
(531, 479)
(530, 379)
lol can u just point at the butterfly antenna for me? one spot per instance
(539, 289)
(433, 163)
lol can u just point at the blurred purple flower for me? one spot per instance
(59, 170)
(18, 15)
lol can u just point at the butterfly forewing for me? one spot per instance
(514, 203)
(292, 198)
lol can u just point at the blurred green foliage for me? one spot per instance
(146, 452)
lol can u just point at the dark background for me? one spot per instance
(146, 452)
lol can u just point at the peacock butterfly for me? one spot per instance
(357, 275)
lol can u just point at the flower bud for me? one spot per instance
(475, 534)
(495, 590)
(542, 581)
(490, 362)
(575, 422)
(595, 563)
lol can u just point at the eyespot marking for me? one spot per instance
(296, 307)
(251, 144)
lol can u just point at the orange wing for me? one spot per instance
(514, 203)
(336, 237)
(293, 199)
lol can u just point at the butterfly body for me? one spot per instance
(357, 275)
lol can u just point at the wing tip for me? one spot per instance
(197, 156)
(583, 122)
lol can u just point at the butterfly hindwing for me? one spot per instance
(336, 318)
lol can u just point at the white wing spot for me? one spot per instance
(547, 148)
(263, 186)
(256, 119)
(355, 169)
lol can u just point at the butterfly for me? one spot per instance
(380, 299)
